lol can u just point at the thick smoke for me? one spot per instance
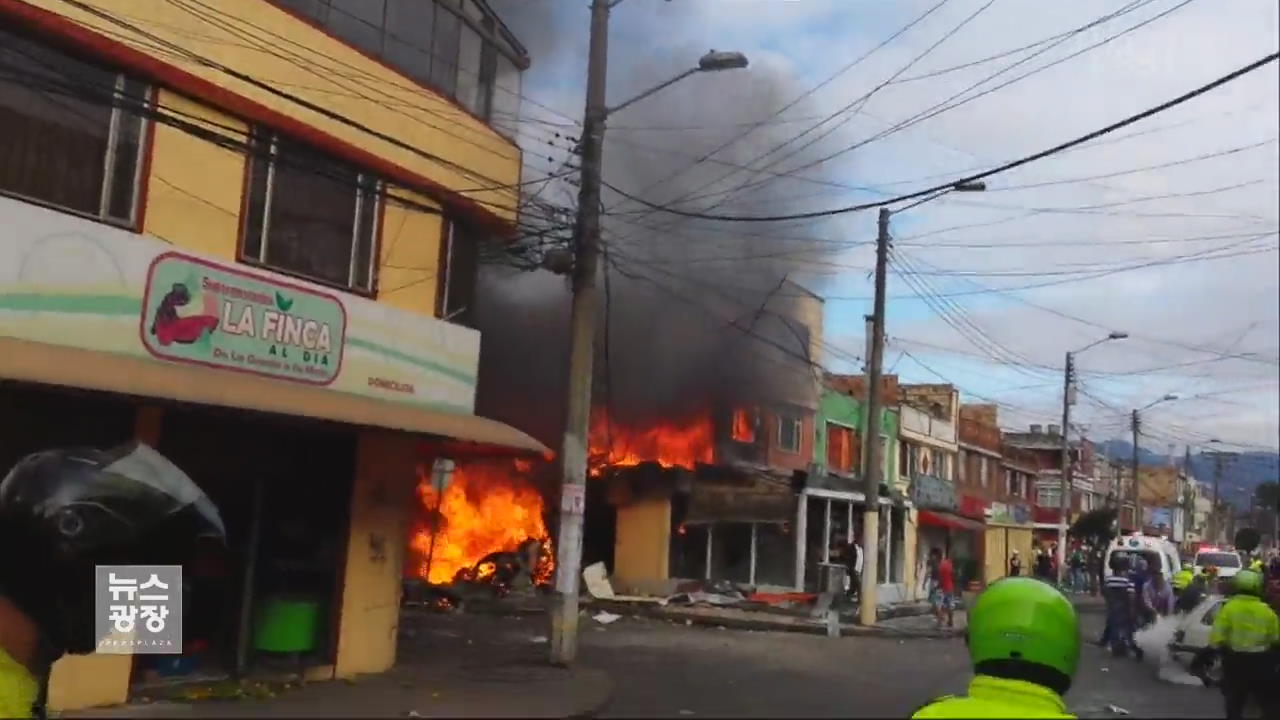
(698, 314)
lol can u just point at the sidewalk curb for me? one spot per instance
(805, 626)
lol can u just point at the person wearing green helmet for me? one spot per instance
(1247, 634)
(1024, 642)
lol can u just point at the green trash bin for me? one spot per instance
(286, 624)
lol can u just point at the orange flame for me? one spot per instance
(489, 506)
(744, 430)
(670, 444)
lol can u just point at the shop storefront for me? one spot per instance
(1009, 528)
(829, 515)
(942, 526)
(305, 415)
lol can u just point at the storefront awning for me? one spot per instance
(36, 362)
(949, 520)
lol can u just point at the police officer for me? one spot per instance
(1247, 633)
(63, 512)
(1024, 642)
(1182, 578)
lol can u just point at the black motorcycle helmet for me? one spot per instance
(65, 511)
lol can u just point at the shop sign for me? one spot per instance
(933, 493)
(973, 507)
(197, 312)
(1010, 514)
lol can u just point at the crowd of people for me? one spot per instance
(1023, 633)
(1083, 565)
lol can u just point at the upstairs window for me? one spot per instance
(310, 215)
(788, 433)
(70, 131)
(438, 43)
(460, 258)
(840, 447)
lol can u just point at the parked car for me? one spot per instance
(1227, 561)
(1190, 642)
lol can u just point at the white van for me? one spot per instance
(1226, 561)
(1157, 551)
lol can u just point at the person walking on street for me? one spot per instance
(1076, 565)
(1157, 597)
(1121, 599)
(944, 588)
(1097, 565)
(1015, 564)
(1024, 643)
(1044, 565)
(1247, 633)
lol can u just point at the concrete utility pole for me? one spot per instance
(1064, 503)
(1215, 523)
(875, 452)
(586, 301)
(1134, 424)
(1068, 377)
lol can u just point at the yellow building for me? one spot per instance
(244, 235)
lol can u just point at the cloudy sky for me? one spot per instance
(1166, 230)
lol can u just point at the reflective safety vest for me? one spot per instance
(1256, 565)
(1182, 579)
(993, 697)
(1247, 625)
(18, 689)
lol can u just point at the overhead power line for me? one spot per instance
(1137, 117)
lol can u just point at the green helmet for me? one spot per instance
(1247, 582)
(1025, 624)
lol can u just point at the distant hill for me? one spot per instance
(1240, 475)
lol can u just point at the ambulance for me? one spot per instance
(1159, 553)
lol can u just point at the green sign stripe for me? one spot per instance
(454, 373)
(125, 305)
(72, 304)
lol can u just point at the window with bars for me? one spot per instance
(445, 44)
(71, 131)
(309, 215)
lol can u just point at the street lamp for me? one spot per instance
(563, 612)
(714, 61)
(1064, 483)
(975, 186)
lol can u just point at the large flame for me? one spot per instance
(489, 506)
(492, 505)
(670, 444)
(744, 426)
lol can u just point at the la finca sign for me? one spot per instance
(195, 311)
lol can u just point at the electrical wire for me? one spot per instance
(1223, 80)
(749, 185)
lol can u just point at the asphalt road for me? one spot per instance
(665, 670)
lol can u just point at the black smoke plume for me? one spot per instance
(699, 314)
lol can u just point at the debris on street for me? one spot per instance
(604, 617)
